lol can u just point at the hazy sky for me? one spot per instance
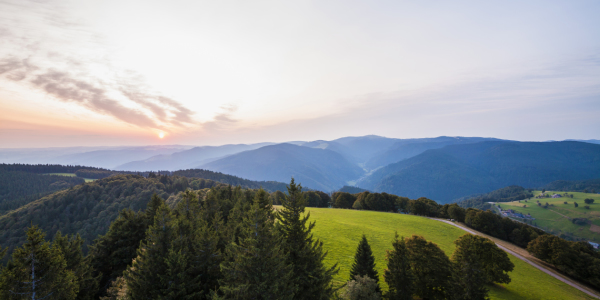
(93, 73)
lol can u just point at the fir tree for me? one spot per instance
(399, 275)
(143, 277)
(78, 264)
(364, 262)
(37, 271)
(305, 254)
(256, 266)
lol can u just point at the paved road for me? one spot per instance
(541, 268)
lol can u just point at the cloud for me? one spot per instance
(223, 120)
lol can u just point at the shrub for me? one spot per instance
(575, 203)
(587, 207)
(589, 201)
(362, 288)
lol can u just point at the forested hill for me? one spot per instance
(88, 209)
(18, 188)
(506, 194)
(585, 186)
(315, 168)
(45, 168)
(270, 186)
(457, 171)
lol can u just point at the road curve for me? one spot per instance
(541, 268)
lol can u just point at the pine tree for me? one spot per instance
(399, 275)
(364, 262)
(256, 267)
(143, 277)
(78, 264)
(305, 254)
(37, 271)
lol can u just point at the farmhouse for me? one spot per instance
(556, 196)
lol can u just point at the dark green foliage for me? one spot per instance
(589, 201)
(86, 209)
(316, 199)
(399, 275)
(478, 261)
(113, 252)
(575, 204)
(43, 169)
(343, 200)
(94, 173)
(270, 186)
(18, 188)
(432, 268)
(70, 246)
(256, 266)
(503, 228)
(456, 212)
(364, 262)
(576, 259)
(305, 253)
(37, 271)
(574, 186)
(506, 194)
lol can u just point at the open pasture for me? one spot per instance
(557, 217)
(341, 229)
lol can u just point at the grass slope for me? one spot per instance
(340, 230)
(555, 219)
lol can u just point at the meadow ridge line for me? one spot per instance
(541, 268)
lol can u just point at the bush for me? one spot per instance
(589, 201)
(566, 202)
(575, 203)
(587, 207)
(362, 288)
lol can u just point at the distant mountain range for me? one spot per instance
(442, 168)
(458, 170)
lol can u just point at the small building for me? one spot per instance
(556, 196)
(595, 245)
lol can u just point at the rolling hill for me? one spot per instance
(187, 159)
(341, 230)
(461, 170)
(315, 168)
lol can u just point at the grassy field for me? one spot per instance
(555, 218)
(340, 230)
(70, 175)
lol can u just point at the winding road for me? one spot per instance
(541, 268)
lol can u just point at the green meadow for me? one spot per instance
(341, 229)
(70, 175)
(556, 219)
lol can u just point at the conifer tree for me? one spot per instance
(364, 262)
(399, 275)
(70, 247)
(143, 277)
(305, 254)
(256, 267)
(37, 271)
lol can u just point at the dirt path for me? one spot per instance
(522, 254)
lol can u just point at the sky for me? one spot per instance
(116, 73)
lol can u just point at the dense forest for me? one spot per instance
(585, 186)
(18, 188)
(506, 194)
(229, 243)
(43, 169)
(270, 186)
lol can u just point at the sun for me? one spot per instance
(161, 134)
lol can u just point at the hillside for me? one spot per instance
(505, 194)
(586, 186)
(269, 186)
(558, 218)
(408, 148)
(457, 171)
(341, 230)
(314, 168)
(187, 159)
(89, 208)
